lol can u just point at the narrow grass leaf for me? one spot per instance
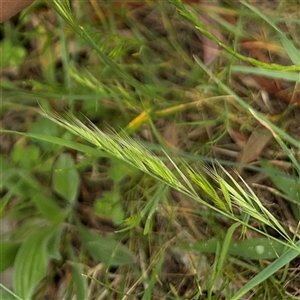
(151, 206)
(278, 137)
(213, 277)
(288, 45)
(60, 141)
(65, 54)
(10, 294)
(79, 281)
(283, 260)
(225, 248)
(194, 20)
(149, 290)
(288, 76)
(247, 107)
(65, 11)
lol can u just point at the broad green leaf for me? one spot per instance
(26, 156)
(47, 128)
(8, 252)
(66, 178)
(31, 262)
(53, 249)
(48, 207)
(110, 206)
(105, 249)
(256, 248)
(110, 251)
(5, 165)
(11, 55)
(287, 184)
(19, 181)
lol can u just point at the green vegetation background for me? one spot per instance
(120, 174)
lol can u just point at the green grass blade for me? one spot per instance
(59, 141)
(286, 258)
(288, 45)
(225, 248)
(65, 12)
(194, 20)
(288, 76)
(9, 292)
(78, 278)
(246, 106)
